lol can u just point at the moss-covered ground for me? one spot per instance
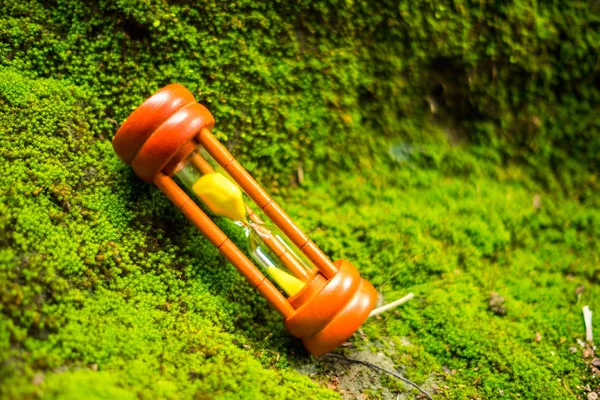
(446, 149)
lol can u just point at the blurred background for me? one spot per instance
(447, 148)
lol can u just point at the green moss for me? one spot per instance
(519, 79)
(425, 132)
(454, 242)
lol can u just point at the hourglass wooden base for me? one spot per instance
(334, 311)
(168, 128)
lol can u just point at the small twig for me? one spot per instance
(300, 173)
(380, 299)
(378, 368)
(387, 280)
(380, 290)
(112, 121)
(587, 319)
(564, 382)
(391, 305)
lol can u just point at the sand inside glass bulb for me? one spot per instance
(224, 198)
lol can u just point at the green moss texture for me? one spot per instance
(451, 149)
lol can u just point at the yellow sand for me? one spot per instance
(289, 283)
(221, 196)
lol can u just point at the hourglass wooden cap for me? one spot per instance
(335, 309)
(159, 133)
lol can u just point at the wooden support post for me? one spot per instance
(265, 202)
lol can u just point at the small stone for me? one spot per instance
(537, 201)
(538, 337)
(448, 371)
(334, 384)
(38, 379)
(496, 304)
(592, 396)
(596, 362)
(573, 349)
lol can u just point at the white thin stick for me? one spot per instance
(587, 319)
(391, 305)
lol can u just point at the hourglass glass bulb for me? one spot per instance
(258, 236)
(266, 244)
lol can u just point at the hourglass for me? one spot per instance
(321, 302)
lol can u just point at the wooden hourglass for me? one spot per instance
(321, 302)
